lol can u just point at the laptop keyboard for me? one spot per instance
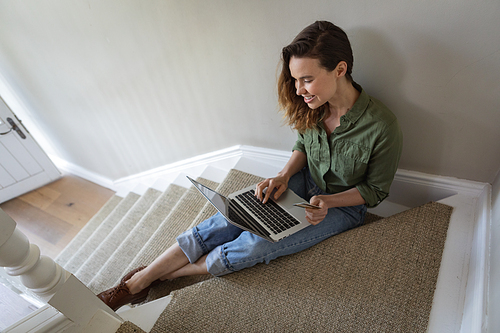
(270, 213)
(241, 216)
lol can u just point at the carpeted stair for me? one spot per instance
(100, 233)
(129, 327)
(84, 234)
(136, 229)
(234, 181)
(377, 278)
(115, 237)
(179, 220)
(113, 269)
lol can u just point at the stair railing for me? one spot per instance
(37, 272)
(75, 308)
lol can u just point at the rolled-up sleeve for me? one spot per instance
(382, 166)
(299, 144)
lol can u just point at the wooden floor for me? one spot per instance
(52, 215)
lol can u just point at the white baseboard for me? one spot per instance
(217, 158)
(475, 317)
(224, 159)
(78, 171)
(443, 182)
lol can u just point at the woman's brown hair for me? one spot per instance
(329, 44)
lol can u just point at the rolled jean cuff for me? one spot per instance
(191, 244)
(217, 263)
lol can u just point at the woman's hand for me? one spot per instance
(278, 183)
(315, 216)
(297, 161)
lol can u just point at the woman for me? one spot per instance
(344, 161)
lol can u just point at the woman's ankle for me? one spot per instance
(137, 283)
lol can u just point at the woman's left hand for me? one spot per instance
(315, 216)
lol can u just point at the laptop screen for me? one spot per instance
(220, 202)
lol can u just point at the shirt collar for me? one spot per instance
(359, 107)
(352, 115)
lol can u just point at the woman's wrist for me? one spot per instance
(350, 197)
(285, 175)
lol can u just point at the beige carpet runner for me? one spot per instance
(379, 277)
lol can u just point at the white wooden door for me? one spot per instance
(24, 166)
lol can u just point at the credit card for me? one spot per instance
(306, 205)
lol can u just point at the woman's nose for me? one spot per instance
(300, 88)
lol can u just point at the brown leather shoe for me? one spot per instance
(119, 296)
(129, 275)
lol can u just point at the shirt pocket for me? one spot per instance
(350, 161)
(312, 147)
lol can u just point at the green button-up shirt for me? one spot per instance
(362, 152)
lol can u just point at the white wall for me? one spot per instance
(494, 292)
(123, 86)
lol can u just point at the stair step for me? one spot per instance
(87, 230)
(177, 222)
(259, 168)
(234, 181)
(115, 237)
(129, 327)
(112, 270)
(101, 232)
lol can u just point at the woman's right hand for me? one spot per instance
(278, 183)
(297, 161)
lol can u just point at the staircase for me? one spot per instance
(133, 228)
(148, 212)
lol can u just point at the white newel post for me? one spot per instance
(20, 258)
(75, 309)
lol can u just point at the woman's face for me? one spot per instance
(316, 84)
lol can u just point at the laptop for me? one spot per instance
(273, 221)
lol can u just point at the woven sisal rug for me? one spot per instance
(377, 278)
(129, 327)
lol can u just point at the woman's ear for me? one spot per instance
(341, 69)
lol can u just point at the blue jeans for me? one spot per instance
(231, 249)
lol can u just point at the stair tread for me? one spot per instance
(87, 230)
(115, 237)
(177, 222)
(101, 232)
(171, 213)
(234, 181)
(129, 327)
(112, 270)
